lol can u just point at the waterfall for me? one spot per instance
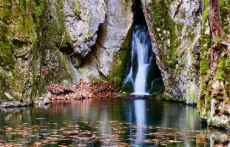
(141, 57)
(73, 70)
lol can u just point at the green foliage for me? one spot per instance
(7, 55)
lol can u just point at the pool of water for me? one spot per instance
(107, 122)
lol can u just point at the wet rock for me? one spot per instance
(42, 101)
(8, 96)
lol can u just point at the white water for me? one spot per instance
(140, 110)
(73, 70)
(140, 53)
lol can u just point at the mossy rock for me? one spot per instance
(128, 87)
(159, 93)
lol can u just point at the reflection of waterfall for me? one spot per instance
(141, 58)
(139, 106)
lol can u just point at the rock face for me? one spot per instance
(82, 19)
(49, 41)
(18, 38)
(214, 104)
(95, 31)
(108, 56)
(175, 30)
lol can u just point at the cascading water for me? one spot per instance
(141, 57)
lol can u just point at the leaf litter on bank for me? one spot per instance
(103, 89)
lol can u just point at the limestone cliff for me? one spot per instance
(19, 23)
(108, 56)
(82, 20)
(92, 35)
(175, 30)
(44, 42)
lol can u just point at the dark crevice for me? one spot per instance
(139, 18)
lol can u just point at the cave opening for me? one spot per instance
(142, 74)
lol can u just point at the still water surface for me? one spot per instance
(107, 122)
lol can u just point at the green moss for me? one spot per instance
(126, 43)
(7, 54)
(124, 94)
(224, 13)
(77, 8)
(192, 95)
(42, 39)
(206, 14)
(119, 64)
(159, 93)
(120, 59)
(227, 101)
(204, 66)
(162, 23)
(219, 75)
(84, 70)
(208, 73)
(93, 79)
(55, 44)
(55, 34)
(66, 66)
(117, 81)
(128, 87)
(205, 42)
(226, 75)
(203, 90)
(209, 101)
(19, 20)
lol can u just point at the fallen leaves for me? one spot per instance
(83, 133)
(103, 89)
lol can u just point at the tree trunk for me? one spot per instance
(215, 22)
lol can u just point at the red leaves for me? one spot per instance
(60, 89)
(95, 90)
(84, 90)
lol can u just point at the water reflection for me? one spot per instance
(140, 116)
(106, 122)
